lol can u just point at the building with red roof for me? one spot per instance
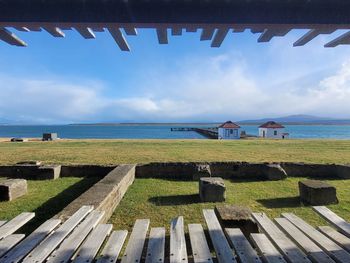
(273, 130)
(229, 131)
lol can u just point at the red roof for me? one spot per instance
(271, 124)
(229, 125)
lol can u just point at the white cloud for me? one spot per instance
(200, 89)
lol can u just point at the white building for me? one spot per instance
(229, 131)
(273, 130)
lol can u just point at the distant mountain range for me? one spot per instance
(300, 119)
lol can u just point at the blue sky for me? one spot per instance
(75, 80)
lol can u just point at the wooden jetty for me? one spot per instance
(210, 133)
(82, 238)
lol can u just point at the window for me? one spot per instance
(231, 131)
(275, 133)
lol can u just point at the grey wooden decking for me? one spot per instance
(83, 239)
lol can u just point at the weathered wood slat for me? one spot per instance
(219, 37)
(176, 31)
(266, 249)
(54, 31)
(310, 35)
(85, 32)
(94, 241)
(130, 31)
(22, 249)
(119, 38)
(332, 249)
(334, 219)
(288, 249)
(162, 35)
(156, 245)
(113, 247)
(2, 223)
(207, 33)
(244, 250)
(315, 253)
(223, 250)
(66, 250)
(15, 224)
(136, 242)
(178, 251)
(44, 249)
(10, 38)
(9, 242)
(337, 237)
(200, 248)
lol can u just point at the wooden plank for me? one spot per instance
(86, 32)
(310, 35)
(156, 245)
(315, 253)
(113, 247)
(266, 249)
(178, 251)
(244, 250)
(130, 31)
(94, 241)
(223, 251)
(207, 33)
(331, 248)
(337, 237)
(137, 239)
(119, 38)
(341, 40)
(219, 37)
(2, 223)
(191, 29)
(162, 34)
(66, 250)
(200, 248)
(333, 219)
(10, 38)
(22, 249)
(44, 249)
(22, 29)
(176, 31)
(54, 31)
(268, 34)
(9, 242)
(15, 224)
(288, 249)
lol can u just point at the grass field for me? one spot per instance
(46, 198)
(143, 151)
(161, 200)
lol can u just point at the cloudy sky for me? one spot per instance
(75, 80)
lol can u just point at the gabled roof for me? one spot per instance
(271, 124)
(229, 125)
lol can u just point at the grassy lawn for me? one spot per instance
(161, 200)
(46, 198)
(143, 151)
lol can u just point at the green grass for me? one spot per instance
(46, 198)
(143, 151)
(161, 200)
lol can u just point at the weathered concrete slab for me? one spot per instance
(105, 195)
(11, 189)
(212, 189)
(47, 172)
(316, 192)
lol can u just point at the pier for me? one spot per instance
(210, 133)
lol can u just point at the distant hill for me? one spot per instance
(300, 119)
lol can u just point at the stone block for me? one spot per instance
(47, 172)
(343, 171)
(11, 189)
(212, 189)
(202, 170)
(316, 192)
(234, 216)
(274, 171)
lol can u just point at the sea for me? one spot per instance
(161, 131)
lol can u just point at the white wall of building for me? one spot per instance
(275, 133)
(229, 134)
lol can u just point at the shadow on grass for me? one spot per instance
(57, 203)
(175, 200)
(282, 202)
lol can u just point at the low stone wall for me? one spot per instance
(85, 170)
(31, 172)
(105, 195)
(243, 170)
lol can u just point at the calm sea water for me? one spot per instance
(161, 131)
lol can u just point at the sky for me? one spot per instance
(73, 80)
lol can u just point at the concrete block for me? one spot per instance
(47, 172)
(212, 189)
(202, 170)
(316, 192)
(11, 189)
